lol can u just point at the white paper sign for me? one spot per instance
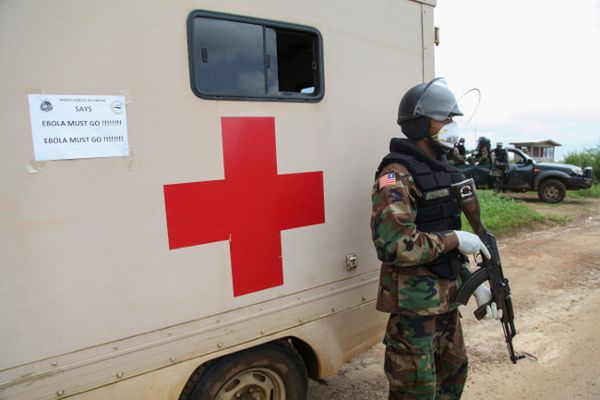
(76, 126)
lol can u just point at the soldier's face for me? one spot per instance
(435, 126)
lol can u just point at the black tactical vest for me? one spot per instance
(501, 155)
(437, 211)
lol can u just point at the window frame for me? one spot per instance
(265, 23)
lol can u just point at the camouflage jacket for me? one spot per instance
(405, 286)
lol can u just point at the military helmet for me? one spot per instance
(483, 141)
(431, 100)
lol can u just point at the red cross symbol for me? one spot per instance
(250, 207)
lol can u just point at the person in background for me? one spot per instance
(499, 167)
(457, 155)
(461, 147)
(482, 152)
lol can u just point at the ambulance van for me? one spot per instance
(185, 191)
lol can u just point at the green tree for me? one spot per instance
(586, 158)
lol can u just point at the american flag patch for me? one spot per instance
(387, 180)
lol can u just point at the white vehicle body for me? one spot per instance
(95, 303)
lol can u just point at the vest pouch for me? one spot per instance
(447, 266)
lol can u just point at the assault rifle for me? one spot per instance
(489, 270)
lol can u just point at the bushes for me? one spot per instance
(503, 216)
(594, 191)
(586, 158)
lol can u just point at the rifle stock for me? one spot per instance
(489, 270)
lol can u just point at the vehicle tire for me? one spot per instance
(273, 371)
(552, 191)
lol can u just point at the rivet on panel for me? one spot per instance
(300, 320)
(60, 392)
(219, 345)
(332, 309)
(54, 363)
(115, 347)
(173, 359)
(364, 298)
(120, 374)
(262, 332)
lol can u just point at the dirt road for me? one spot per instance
(555, 279)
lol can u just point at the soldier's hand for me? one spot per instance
(483, 295)
(469, 243)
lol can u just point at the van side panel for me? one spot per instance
(87, 272)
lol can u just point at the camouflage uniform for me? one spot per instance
(499, 168)
(425, 355)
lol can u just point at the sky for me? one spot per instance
(536, 64)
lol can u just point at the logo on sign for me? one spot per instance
(46, 106)
(117, 107)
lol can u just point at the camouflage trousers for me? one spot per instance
(425, 357)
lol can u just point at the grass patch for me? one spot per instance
(594, 192)
(502, 215)
(557, 219)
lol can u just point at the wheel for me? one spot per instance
(552, 191)
(273, 371)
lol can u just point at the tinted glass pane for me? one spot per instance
(228, 57)
(296, 58)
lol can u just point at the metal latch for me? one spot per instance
(351, 262)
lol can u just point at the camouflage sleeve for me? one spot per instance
(394, 232)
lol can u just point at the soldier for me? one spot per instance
(457, 155)
(461, 147)
(499, 166)
(416, 226)
(483, 150)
